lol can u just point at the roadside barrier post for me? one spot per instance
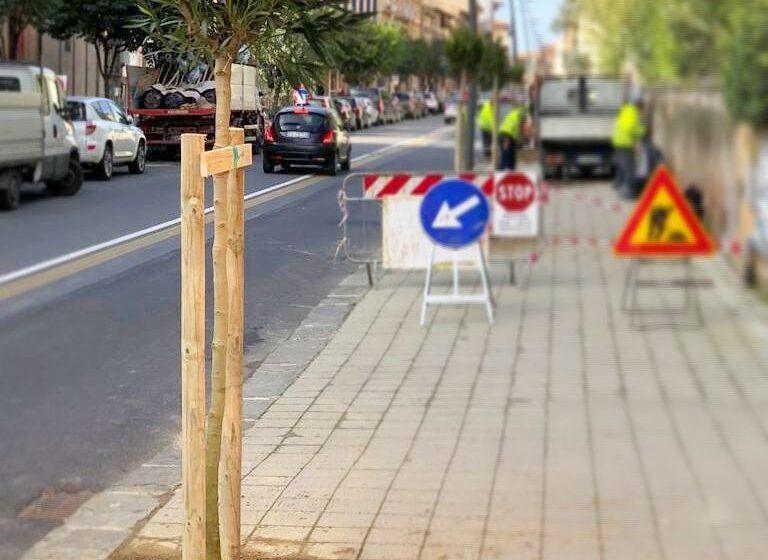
(196, 164)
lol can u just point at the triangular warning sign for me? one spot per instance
(663, 224)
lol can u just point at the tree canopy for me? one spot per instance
(677, 41)
(101, 23)
(368, 51)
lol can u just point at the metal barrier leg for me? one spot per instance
(456, 273)
(629, 286)
(486, 285)
(427, 284)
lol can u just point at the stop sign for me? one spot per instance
(515, 191)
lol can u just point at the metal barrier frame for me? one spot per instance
(345, 195)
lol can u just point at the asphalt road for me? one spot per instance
(89, 381)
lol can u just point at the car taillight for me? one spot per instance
(269, 134)
(381, 106)
(329, 137)
(90, 127)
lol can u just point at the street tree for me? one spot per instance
(101, 23)
(217, 32)
(368, 51)
(429, 66)
(745, 65)
(464, 51)
(18, 15)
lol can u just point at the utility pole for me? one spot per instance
(469, 147)
(513, 29)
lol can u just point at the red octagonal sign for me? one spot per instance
(515, 192)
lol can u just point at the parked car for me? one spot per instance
(37, 143)
(362, 117)
(370, 110)
(408, 104)
(307, 136)
(421, 105)
(392, 112)
(376, 96)
(451, 109)
(106, 136)
(321, 101)
(431, 102)
(344, 109)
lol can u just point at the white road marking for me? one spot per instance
(80, 253)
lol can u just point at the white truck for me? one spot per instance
(37, 143)
(574, 123)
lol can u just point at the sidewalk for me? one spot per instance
(559, 433)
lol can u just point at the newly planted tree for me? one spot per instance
(217, 32)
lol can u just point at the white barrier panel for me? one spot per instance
(405, 246)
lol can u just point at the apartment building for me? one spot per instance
(427, 19)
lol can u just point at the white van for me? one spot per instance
(36, 138)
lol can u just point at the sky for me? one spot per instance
(544, 12)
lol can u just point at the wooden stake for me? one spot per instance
(193, 346)
(231, 452)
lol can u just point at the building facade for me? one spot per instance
(421, 19)
(73, 58)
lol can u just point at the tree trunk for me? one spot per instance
(222, 76)
(495, 133)
(15, 29)
(458, 158)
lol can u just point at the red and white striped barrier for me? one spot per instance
(380, 186)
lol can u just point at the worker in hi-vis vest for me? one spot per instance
(509, 137)
(486, 120)
(628, 131)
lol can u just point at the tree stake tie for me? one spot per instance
(235, 157)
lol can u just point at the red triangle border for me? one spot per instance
(703, 244)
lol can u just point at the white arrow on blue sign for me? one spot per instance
(454, 213)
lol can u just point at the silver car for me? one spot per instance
(106, 136)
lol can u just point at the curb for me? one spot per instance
(112, 517)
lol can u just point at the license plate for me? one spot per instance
(589, 159)
(293, 134)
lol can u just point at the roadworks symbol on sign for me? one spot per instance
(663, 224)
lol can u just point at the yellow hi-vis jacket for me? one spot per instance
(486, 120)
(512, 123)
(629, 129)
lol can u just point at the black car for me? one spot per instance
(306, 135)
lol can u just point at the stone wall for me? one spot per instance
(727, 160)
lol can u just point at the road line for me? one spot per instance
(40, 274)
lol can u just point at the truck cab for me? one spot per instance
(37, 144)
(575, 118)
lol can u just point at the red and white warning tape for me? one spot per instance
(380, 186)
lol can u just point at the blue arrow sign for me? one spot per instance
(454, 213)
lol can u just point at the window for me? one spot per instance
(309, 122)
(9, 83)
(119, 114)
(54, 94)
(77, 110)
(103, 110)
